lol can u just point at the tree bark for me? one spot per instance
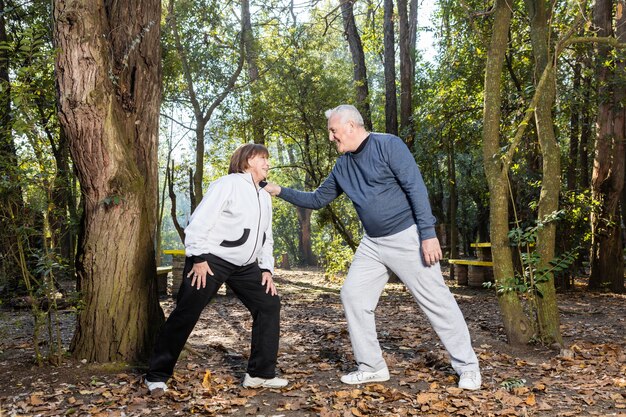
(518, 328)
(547, 308)
(574, 123)
(607, 265)
(304, 237)
(453, 204)
(406, 75)
(585, 134)
(391, 102)
(358, 62)
(109, 76)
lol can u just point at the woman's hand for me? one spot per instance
(266, 279)
(198, 274)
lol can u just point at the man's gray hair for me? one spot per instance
(347, 112)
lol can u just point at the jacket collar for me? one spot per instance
(247, 176)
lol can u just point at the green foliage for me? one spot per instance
(511, 383)
(335, 256)
(533, 273)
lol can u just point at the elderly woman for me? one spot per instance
(228, 240)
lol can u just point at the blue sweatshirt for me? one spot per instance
(384, 184)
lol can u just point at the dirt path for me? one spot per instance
(587, 379)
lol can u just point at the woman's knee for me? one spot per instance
(271, 305)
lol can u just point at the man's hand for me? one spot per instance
(272, 188)
(431, 251)
(198, 274)
(266, 279)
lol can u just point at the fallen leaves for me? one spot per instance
(585, 378)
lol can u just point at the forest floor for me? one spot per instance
(588, 378)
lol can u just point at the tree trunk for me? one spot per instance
(574, 123)
(391, 102)
(453, 207)
(252, 52)
(585, 135)
(11, 203)
(518, 328)
(406, 75)
(202, 111)
(547, 308)
(109, 76)
(607, 264)
(63, 216)
(304, 237)
(358, 62)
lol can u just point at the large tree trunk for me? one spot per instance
(607, 265)
(547, 308)
(358, 62)
(109, 75)
(518, 328)
(391, 102)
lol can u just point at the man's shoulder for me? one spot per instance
(385, 139)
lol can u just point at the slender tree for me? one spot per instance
(547, 309)
(518, 327)
(358, 61)
(109, 74)
(252, 56)
(391, 101)
(407, 26)
(203, 103)
(11, 202)
(607, 264)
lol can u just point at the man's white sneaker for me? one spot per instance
(364, 377)
(156, 388)
(254, 382)
(470, 380)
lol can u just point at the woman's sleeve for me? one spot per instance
(204, 219)
(266, 256)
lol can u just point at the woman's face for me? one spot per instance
(258, 166)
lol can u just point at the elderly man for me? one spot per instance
(378, 173)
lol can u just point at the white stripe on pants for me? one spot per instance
(367, 277)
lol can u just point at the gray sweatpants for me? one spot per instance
(368, 274)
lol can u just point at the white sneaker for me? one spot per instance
(156, 387)
(364, 377)
(470, 380)
(253, 382)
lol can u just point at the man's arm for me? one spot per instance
(410, 180)
(327, 192)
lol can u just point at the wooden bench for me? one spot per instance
(162, 273)
(474, 272)
(178, 263)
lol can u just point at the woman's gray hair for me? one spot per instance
(347, 112)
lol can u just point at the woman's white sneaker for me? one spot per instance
(254, 382)
(364, 377)
(156, 388)
(470, 380)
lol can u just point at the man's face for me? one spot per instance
(342, 133)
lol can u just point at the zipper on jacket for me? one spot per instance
(258, 226)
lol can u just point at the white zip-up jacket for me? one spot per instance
(234, 222)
